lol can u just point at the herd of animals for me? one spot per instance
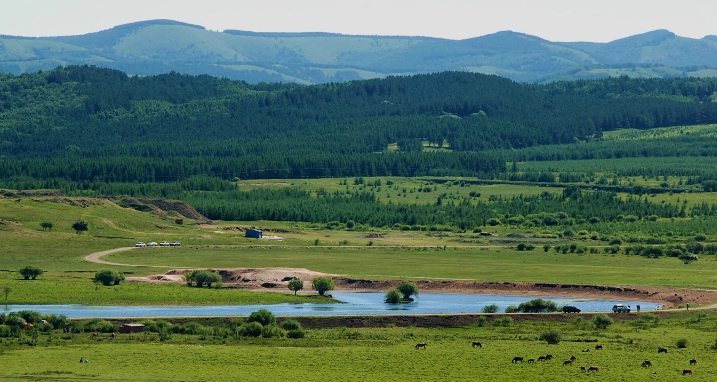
(548, 357)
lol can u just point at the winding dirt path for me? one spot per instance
(97, 258)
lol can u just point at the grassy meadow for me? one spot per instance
(381, 353)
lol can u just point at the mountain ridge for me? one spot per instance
(160, 46)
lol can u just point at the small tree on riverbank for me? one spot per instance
(296, 285)
(323, 284)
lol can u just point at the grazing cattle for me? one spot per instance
(661, 350)
(477, 345)
(530, 360)
(567, 362)
(687, 371)
(114, 335)
(582, 368)
(593, 368)
(421, 345)
(542, 358)
(517, 359)
(585, 350)
(646, 363)
(95, 334)
(598, 347)
(573, 358)
(548, 357)
(693, 362)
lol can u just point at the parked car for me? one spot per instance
(140, 244)
(619, 308)
(571, 309)
(164, 244)
(152, 244)
(175, 244)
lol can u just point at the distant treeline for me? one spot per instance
(86, 124)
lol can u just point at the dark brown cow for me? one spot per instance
(421, 345)
(646, 363)
(661, 350)
(582, 368)
(477, 345)
(687, 371)
(548, 357)
(95, 334)
(573, 358)
(542, 358)
(599, 347)
(517, 359)
(593, 368)
(530, 360)
(567, 362)
(585, 350)
(693, 362)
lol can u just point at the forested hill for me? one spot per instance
(93, 124)
(160, 46)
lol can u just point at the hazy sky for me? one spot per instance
(556, 20)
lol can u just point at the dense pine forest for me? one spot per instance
(87, 130)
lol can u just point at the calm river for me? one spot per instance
(353, 304)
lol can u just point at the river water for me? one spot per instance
(353, 304)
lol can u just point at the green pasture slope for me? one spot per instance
(380, 353)
(61, 253)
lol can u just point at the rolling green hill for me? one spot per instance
(161, 46)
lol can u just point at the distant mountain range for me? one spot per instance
(161, 46)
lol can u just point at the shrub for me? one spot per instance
(546, 247)
(30, 272)
(30, 316)
(480, 321)
(14, 319)
(681, 343)
(512, 309)
(262, 316)
(520, 247)
(272, 331)
(250, 329)
(407, 290)
(193, 328)
(201, 277)
(537, 305)
(393, 296)
(80, 226)
(100, 325)
(688, 257)
(108, 277)
(602, 321)
(700, 237)
(297, 333)
(492, 308)
(57, 321)
(493, 222)
(323, 284)
(503, 321)
(552, 337)
(290, 324)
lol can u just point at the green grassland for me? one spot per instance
(477, 263)
(380, 353)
